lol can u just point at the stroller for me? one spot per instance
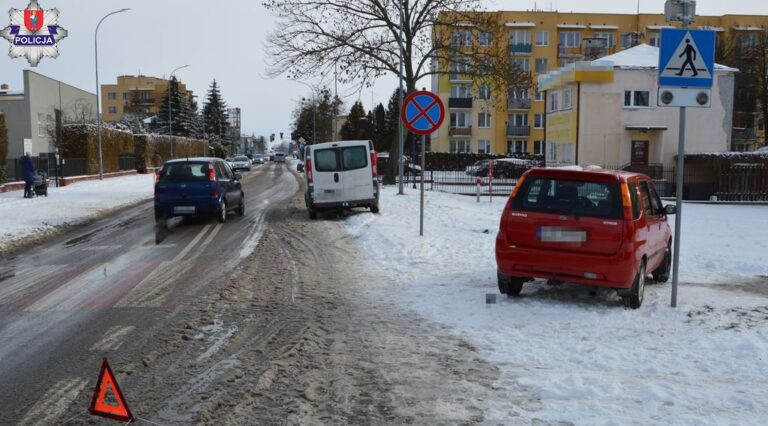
(40, 183)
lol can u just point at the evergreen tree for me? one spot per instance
(178, 109)
(380, 141)
(354, 128)
(215, 113)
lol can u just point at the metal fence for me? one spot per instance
(69, 167)
(126, 163)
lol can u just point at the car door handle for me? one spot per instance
(336, 177)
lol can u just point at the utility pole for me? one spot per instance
(400, 141)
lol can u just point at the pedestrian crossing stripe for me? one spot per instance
(686, 58)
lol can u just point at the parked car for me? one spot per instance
(279, 157)
(341, 175)
(197, 187)
(471, 170)
(241, 163)
(596, 227)
(258, 159)
(503, 168)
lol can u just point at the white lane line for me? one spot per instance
(208, 240)
(255, 233)
(192, 243)
(112, 339)
(54, 403)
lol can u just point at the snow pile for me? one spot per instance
(21, 217)
(582, 357)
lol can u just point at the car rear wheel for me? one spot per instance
(241, 208)
(661, 274)
(511, 286)
(636, 294)
(222, 213)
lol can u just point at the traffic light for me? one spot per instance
(272, 137)
(281, 135)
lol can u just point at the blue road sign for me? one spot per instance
(686, 58)
(423, 112)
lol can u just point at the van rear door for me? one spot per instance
(358, 175)
(328, 179)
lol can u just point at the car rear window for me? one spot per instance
(241, 158)
(354, 157)
(327, 160)
(184, 172)
(569, 197)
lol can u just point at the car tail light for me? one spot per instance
(374, 164)
(626, 202)
(308, 170)
(214, 194)
(211, 174)
(157, 175)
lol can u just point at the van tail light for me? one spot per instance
(211, 173)
(374, 164)
(626, 202)
(308, 170)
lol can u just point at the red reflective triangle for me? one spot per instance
(99, 405)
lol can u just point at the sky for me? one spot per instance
(227, 44)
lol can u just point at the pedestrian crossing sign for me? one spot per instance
(686, 58)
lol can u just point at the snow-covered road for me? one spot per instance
(588, 359)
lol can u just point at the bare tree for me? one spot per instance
(363, 39)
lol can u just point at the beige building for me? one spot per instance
(144, 92)
(606, 113)
(541, 41)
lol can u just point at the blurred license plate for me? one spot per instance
(184, 209)
(555, 234)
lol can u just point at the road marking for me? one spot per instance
(112, 339)
(208, 240)
(53, 404)
(192, 243)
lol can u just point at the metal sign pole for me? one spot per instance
(423, 165)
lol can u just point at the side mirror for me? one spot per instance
(670, 209)
(238, 176)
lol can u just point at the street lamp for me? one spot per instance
(98, 89)
(170, 109)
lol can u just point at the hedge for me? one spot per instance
(3, 146)
(443, 161)
(153, 150)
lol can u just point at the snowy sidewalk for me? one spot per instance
(587, 359)
(21, 218)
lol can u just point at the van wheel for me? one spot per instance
(375, 208)
(221, 216)
(636, 294)
(511, 286)
(312, 213)
(661, 274)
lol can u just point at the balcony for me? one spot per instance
(463, 103)
(520, 48)
(460, 131)
(519, 104)
(569, 52)
(518, 131)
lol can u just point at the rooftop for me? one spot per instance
(642, 57)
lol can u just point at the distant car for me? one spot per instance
(258, 159)
(503, 168)
(763, 150)
(241, 163)
(590, 226)
(471, 170)
(198, 187)
(279, 157)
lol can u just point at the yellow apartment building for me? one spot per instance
(148, 92)
(541, 41)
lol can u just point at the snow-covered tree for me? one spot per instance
(215, 113)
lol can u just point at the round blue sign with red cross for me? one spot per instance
(423, 112)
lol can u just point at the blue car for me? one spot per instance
(198, 187)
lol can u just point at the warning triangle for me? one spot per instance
(687, 61)
(107, 399)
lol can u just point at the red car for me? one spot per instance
(590, 226)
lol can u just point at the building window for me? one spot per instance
(566, 61)
(519, 37)
(459, 67)
(43, 121)
(542, 65)
(553, 102)
(760, 124)
(538, 121)
(113, 110)
(567, 101)
(460, 120)
(538, 147)
(112, 96)
(460, 146)
(518, 120)
(655, 39)
(484, 120)
(461, 38)
(567, 153)
(570, 39)
(542, 38)
(126, 96)
(484, 38)
(458, 91)
(521, 63)
(144, 96)
(539, 95)
(551, 151)
(747, 41)
(517, 147)
(608, 37)
(484, 92)
(483, 146)
(637, 98)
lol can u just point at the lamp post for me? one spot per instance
(98, 89)
(170, 109)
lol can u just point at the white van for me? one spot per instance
(279, 157)
(341, 175)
